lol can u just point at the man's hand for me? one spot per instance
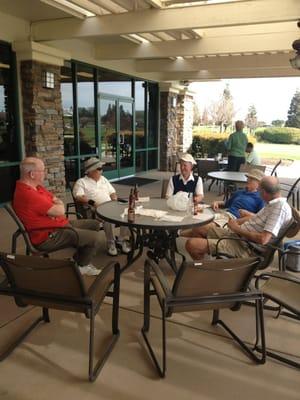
(215, 205)
(245, 213)
(233, 225)
(56, 200)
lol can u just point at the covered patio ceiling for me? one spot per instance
(171, 40)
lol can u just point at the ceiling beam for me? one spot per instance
(222, 74)
(157, 20)
(255, 61)
(265, 42)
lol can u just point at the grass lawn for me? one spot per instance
(278, 151)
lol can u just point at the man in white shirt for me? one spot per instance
(260, 228)
(251, 155)
(186, 181)
(94, 189)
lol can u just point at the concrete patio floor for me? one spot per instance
(202, 362)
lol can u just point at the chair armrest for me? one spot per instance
(110, 274)
(277, 275)
(151, 266)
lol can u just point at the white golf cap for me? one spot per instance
(188, 158)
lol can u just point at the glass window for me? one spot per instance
(152, 159)
(8, 137)
(66, 88)
(140, 141)
(152, 108)
(126, 135)
(86, 110)
(140, 161)
(108, 133)
(8, 178)
(111, 82)
(71, 168)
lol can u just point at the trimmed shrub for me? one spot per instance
(282, 135)
(210, 143)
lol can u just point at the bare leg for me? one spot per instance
(200, 231)
(197, 248)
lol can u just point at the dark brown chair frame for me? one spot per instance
(284, 302)
(21, 231)
(28, 280)
(169, 300)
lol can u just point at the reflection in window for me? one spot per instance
(118, 88)
(71, 167)
(152, 159)
(108, 134)
(8, 137)
(126, 135)
(140, 161)
(152, 107)
(67, 105)
(86, 110)
(140, 115)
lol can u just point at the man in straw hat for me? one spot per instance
(186, 181)
(94, 189)
(38, 208)
(241, 203)
(260, 228)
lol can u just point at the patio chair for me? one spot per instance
(293, 196)
(206, 166)
(81, 210)
(198, 286)
(21, 231)
(268, 251)
(283, 289)
(57, 284)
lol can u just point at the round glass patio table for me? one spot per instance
(231, 176)
(156, 234)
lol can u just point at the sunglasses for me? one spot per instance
(99, 169)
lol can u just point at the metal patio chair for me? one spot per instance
(57, 284)
(208, 285)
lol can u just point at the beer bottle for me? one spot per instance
(195, 208)
(136, 192)
(131, 204)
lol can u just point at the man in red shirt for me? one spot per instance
(38, 208)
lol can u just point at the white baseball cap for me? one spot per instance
(188, 158)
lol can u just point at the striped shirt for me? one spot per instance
(274, 217)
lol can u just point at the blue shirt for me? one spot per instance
(250, 201)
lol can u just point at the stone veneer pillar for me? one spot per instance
(43, 121)
(176, 124)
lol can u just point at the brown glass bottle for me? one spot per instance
(136, 192)
(195, 203)
(131, 205)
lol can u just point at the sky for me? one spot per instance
(270, 96)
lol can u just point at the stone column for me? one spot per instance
(176, 123)
(42, 109)
(43, 121)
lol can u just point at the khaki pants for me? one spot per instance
(233, 248)
(86, 239)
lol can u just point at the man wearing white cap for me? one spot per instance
(186, 181)
(94, 189)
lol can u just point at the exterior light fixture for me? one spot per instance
(295, 62)
(174, 102)
(48, 80)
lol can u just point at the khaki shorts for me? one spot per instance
(233, 248)
(222, 217)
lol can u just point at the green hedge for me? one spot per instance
(210, 143)
(278, 135)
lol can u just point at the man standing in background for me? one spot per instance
(236, 147)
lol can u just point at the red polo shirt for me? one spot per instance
(31, 205)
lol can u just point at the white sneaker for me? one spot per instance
(89, 269)
(126, 248)
(112, 250)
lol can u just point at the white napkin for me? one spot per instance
(171, 218)
(146, 212)
(143, 199)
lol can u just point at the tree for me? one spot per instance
(278, 122)
(293, 117)
(205, 117)
(197, 114)
(251, 118)
(222, 111)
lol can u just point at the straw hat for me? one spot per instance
(188, 158)
(92, 164)
(255, 174)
